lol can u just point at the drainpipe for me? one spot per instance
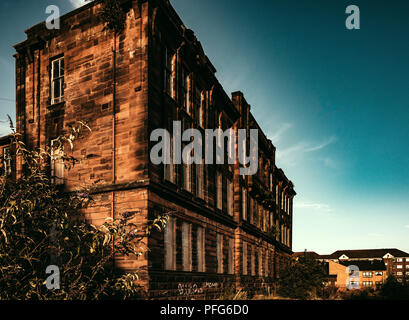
(113, 135)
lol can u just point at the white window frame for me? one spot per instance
(57, 78)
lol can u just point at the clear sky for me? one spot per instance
(334, 101)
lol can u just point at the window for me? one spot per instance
(230, 197)
(219, 186)
(399, 273)
(399, 266)
(201, 264)
(230, 256)
(407, 259)
(399, 259)
(244, 258)
(266, 261)
(244, 204)
(187, 174)
(253, 261)
(367, 283)
(379, 273)
(260, 263)
(186, 246)
(367, 274)
(170, 244)
(168, 71)
(57, 80)
(200, 180)
(202, 110)
(57, 163)
(407, 266)
(169, 169)
(219, 253)
(198, 106)
(185, 90)
(407, 273)
(6, 162)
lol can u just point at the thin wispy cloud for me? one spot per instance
(289, 156)
(331, 140)
(275, 137)
(322, 207)
(79, 3)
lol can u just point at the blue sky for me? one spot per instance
(334, 101)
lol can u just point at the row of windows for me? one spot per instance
(264, 261)
(369, 274)
(401, 260)
(192, 97)
(399, 266)
(400, 273)
(200, 249)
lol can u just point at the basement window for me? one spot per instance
(187, 246)
(244, 258)
(57, 80)
(219, 253)
(201, 264)
(170, 244)
(57, 163)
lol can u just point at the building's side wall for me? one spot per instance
(114, 156)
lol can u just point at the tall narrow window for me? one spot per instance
(57, 80)
(168, 71)
(200, 180)
(253, 260)
(266, 264)
(219, 253)
(260, 262)
(201, 262)
(230, 197)
(187, 246)
(230, 258)
(185, 90)
(219, 186)
(244, 258)
(244, 203)
(197, 104)
(170, 244)
(187, 177)
(6, 162)
(202, 110)
(169, 169)
(57, 163)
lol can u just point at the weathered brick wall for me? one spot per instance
(115, 155)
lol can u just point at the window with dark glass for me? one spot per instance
(57, 80)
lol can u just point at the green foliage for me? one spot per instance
(392, 289)
(113, 16)
(40, 225)
(301, 279)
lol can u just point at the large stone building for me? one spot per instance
(225, 228)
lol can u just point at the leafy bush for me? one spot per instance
(40, 225)
(301, 278)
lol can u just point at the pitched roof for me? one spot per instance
(368, 253)
(366, 265)
(310, 254)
